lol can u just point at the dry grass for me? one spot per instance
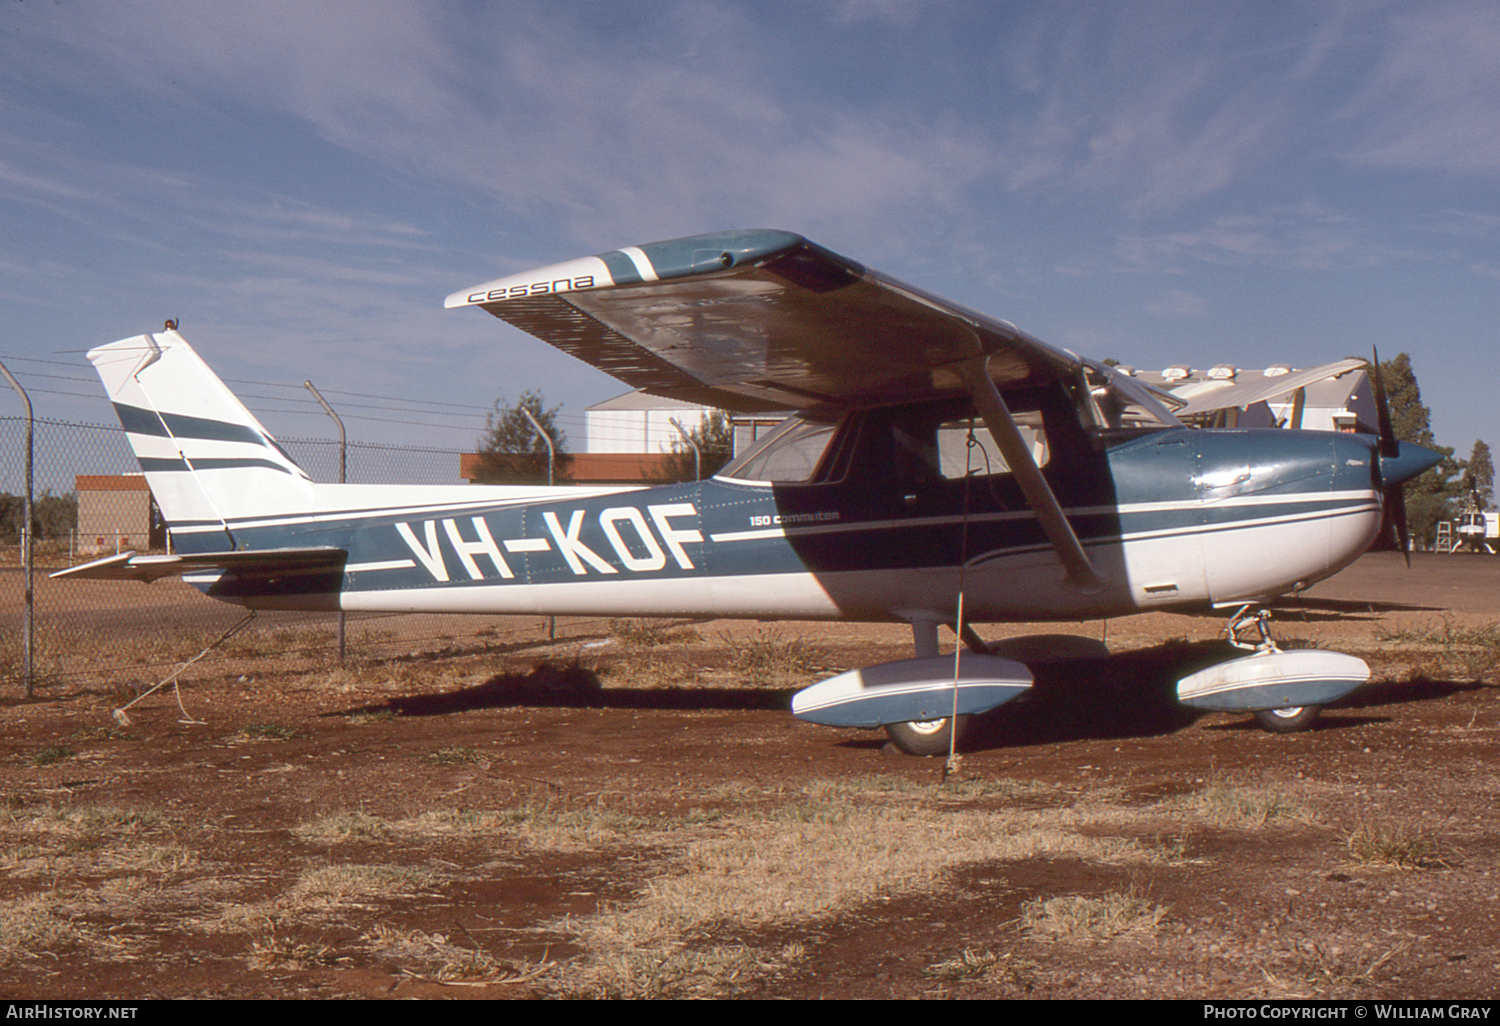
(50, 754)
(86, 821)
(776, 858)
(275, 952)
(652, 633)
(456, 755)
(267, 732)
(343, 825)
(437, 957)
(546, 827)
(41, 922)
(656, 974)
(768, 659)
(116, 849)
(1446, 648)
(535, 826)
(985, 966)
(1082, 920)
(648, 670)
(805, 860)
(1313, 968)
(836, 848)
(49, 648)
(1243, 808)
(1401, 844)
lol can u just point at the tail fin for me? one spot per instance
(208, 461)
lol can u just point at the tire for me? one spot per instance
(926, 737)
(1287, 721)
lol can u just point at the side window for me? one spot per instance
(966, 446)
(946, 441)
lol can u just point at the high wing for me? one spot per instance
(763, 319)
(757, 320)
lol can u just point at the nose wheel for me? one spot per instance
(1288, 720)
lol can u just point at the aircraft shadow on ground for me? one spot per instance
(1131, 695)
(551, 686)
(1135, 696)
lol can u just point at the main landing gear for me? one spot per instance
(924, 703)
(938, 736)
(929, 737)
(1289, 720)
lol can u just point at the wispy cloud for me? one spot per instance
(1178, 303)
(308, 179)
(1429, 100)
(1309, 239)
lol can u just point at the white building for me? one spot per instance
(636, 422)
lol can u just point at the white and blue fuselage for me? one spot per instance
(1172, 517)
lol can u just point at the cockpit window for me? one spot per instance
(791, 453)
(1118, 402)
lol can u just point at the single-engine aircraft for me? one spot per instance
(941, 468)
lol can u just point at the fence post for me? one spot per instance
(551, 461)
(697, 453)
(343, 465)
(551, 452)
(27, 541)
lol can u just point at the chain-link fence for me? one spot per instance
(90, 500)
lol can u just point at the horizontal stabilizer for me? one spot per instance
(912, 689)
(132, 566)
(1274, 680)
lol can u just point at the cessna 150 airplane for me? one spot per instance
(942, 468)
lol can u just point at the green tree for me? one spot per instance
(52, 516)
(1430, 496)
(714, 437)
(55, 516)
(12, 516)
(1479, 475)
(512, 452)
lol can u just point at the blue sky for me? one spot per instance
(301, 183)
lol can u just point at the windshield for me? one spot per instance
(1119, 401)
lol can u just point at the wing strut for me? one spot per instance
(996, 415)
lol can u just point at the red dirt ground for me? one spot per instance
(169, 859)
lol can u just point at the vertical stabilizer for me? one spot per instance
(208, 461)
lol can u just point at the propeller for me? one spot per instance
(1390, 448)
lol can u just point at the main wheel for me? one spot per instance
(1287, 721)
(927, 737)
